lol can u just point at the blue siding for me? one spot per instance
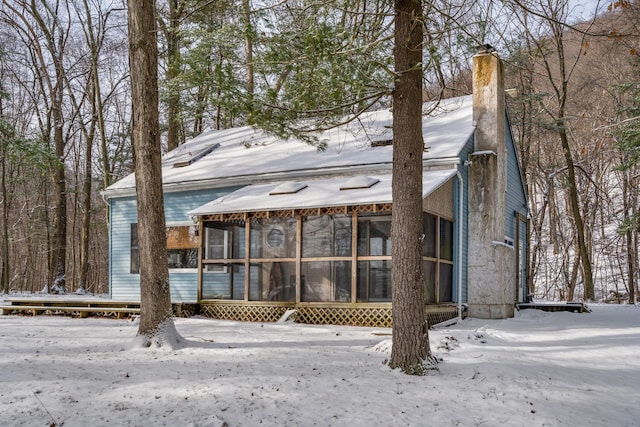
(464, 173)
(515, 203)
(123, 212)
(515, 198)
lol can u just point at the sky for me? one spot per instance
(537, 369)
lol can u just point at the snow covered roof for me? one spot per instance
(249, 155)
(314, 194)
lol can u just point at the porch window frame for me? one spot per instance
(355, 258)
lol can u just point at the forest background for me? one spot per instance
(65, 114)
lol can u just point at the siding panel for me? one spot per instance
(123, 212)
(515, 205)
(464, 173)
(515, 199)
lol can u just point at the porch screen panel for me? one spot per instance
(429, 275)
(374, 235)
(429, 242)
(273, 238)
(445, 285)
(224, 285)
(329, 237)
(437, 264)
(374, 258)
(326, 236)
(272, 274)
(326, 281)
(272, 281)
(374, 281)
(446, 239)
(223, 269)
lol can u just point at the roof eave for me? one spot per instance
(241, 180)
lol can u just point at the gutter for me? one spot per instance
(460, 239)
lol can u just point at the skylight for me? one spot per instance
(189, 157)
(289, 187)
(359, 182)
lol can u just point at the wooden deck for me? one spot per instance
(574, 307)
(83, 307)
(71, 306)
(378, 315)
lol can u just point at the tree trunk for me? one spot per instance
(248, 47)
(60, 194)
(4, 281)
(86, 214)
(156, 322)
(410, 348)
(629, 238)
(585, 257)
(173, 71)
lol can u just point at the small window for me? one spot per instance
(134, 267)
(182, 248)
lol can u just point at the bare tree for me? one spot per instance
(555, 65)
(156, 321)
(46, 30)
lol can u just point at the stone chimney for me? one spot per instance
(491, 263)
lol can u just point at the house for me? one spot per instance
(257, 226)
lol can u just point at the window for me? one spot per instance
(216, 247)
(182, 248)
(134, 267)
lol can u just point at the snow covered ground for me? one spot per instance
(538, 369)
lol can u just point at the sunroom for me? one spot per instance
(321, 248)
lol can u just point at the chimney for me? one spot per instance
(491, 263)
